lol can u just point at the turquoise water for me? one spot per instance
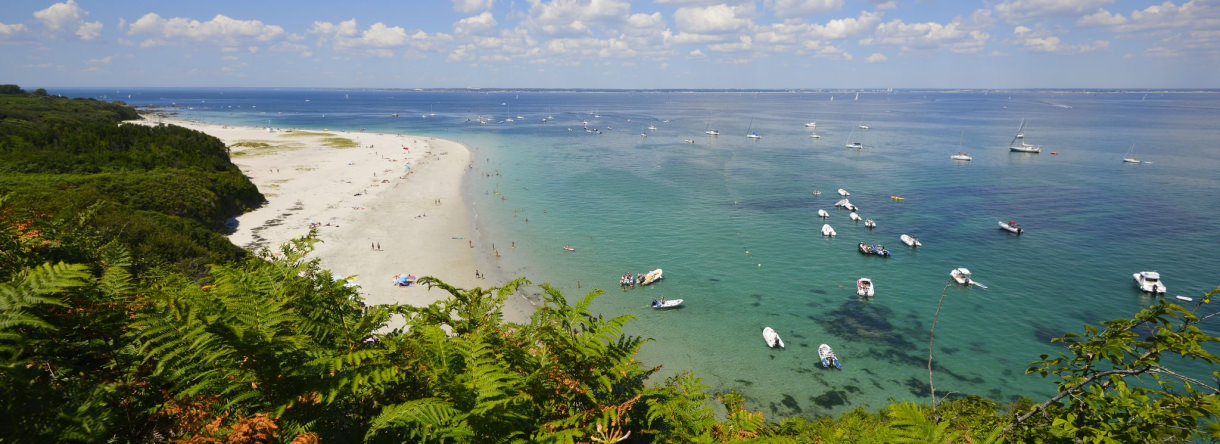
(733, 222)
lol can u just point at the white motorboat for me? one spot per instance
(864, 287)
(772, 338)
(868, 223)
(855, 217)
(811, 125)
(664, 304)
(815, 136)
(846, 205)
(843, 192)
(961, 156)
(1018, 142)
(1149, 282)
(1011, 226)
(712, 132)
(689, 140)
(853, 144)
(652, 127)
(652, 277)
(910, 241)
(827, 355)
(827, 230)
(962, 276)
(823, 214)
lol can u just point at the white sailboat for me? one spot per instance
(1130, 157)
(853, 144)
(960, 155)
(750, 134)
(1018, 142)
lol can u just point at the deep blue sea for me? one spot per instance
(733, 223)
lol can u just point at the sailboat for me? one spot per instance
(850, 143)
(1130, 157)
(708, 129)
(1018, 142)
(751, 134)
(961, 155)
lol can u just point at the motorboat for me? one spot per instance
(689, 140)
(961, 156)
(815, 135)
(864, 287)
(822, 213)
(569, 248)
(1149, 282)
(961, 276)
(666, 304)
(811, 125)
(865, 248)
(712, 132)
(652, 277)
(772, 338)
(854, 216)
(876, 249)
(827, 355)
(843, 192)
(827, 230)
(1011, 226)
(910, 241)
(1018, 143)
(868, 223)
(652, 128)
(846, 205)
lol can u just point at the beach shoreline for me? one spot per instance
(383, 206)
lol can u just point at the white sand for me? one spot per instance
(406, 201)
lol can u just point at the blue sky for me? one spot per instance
(613, 43)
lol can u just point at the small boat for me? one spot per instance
(823, 214)
(569, 248)
(961, 156)
(1011, 226)
(712, 132)
(1018, 142)
(752, 134)
(961, 276)
(827, 230)
(817, 193)
(864, 287)
(666, 304)
(850, 143)
(843, 192)
(865, 248)
(910, 241)
(898, 198)
(689, 140)
(855, 217)
(652, 128)
(652, 277)
(862, 126)
(772, 338)
(815, 135)
(827, 355)
(1149, 282)
(1130, 157)
(868, 223)
(846, 205)
(811, 125)
(880, 250)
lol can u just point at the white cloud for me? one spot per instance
(838, 29)
(1039, 40)
(381, 36)
(696, 53)
(876, 57)
(102, 61)
(1016, 11)
(952, 36)
(743, 44)
(796, 8)
(574, 16)
(220, 30)
(66, 16)
(479, 24)
(89, 30)
(715, 19)
(642, 20)
(11, 30)
(61, 16)
(1101, 18)
(468, 6)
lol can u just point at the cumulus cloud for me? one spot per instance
(1015, 11)
(796, 8)
(11, 30)
(479, 24)
(1101, 18)
(220, 30)
(468, 6)
(952, 36)
(714, 19)
(67, 16)
(876, 57)
(1039, 40)
(574, 16)
(839, 29)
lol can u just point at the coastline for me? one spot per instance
(383, 205)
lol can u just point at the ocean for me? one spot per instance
(732, 221)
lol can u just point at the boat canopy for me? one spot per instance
(1151, 275)
(963, 271)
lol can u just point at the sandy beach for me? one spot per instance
(383, 204)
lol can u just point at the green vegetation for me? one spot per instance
(98, 343)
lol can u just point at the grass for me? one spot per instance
(327, 139)
(260, 148)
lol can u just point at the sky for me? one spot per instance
(770, 44)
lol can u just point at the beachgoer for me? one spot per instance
(372, 246)
(379, 246)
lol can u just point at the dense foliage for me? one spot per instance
(97, 346)
(163, 191)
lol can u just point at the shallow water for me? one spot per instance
(733, 222)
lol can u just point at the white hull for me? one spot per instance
(870, 224)
(961, 156)
(827, 355)
(1011, 227)
(910, 241)
(1149, 282)
(772, 338)
(843, 192)
(864, 287)
(827, 230)
(652, 277)
(961, 276)
(855, 217)
(661, 305)
(823, 214)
